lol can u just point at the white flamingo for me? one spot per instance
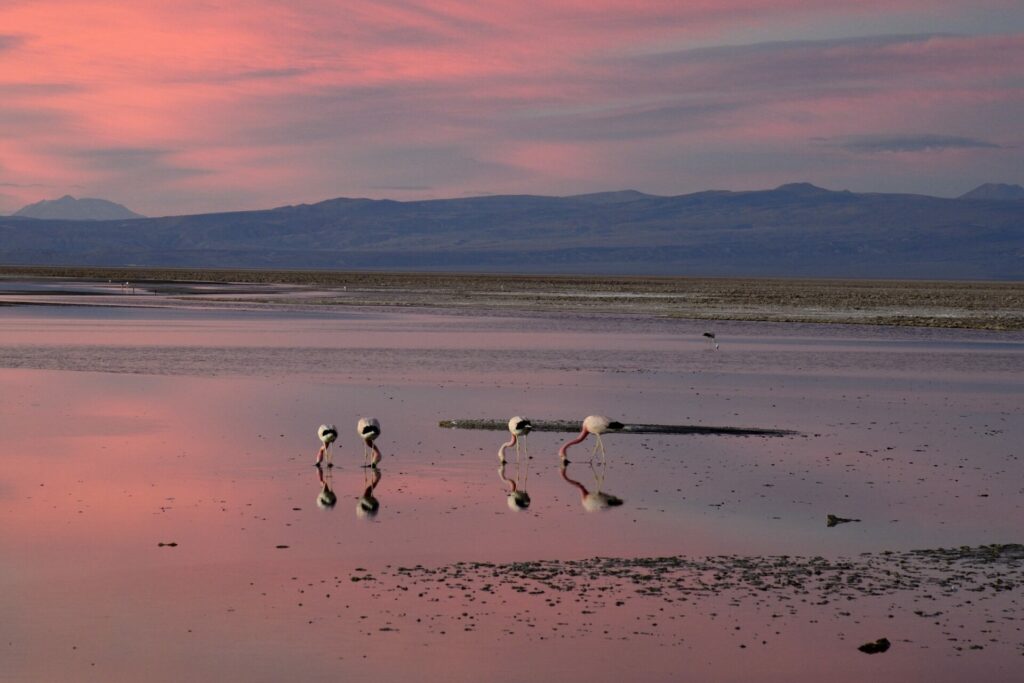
(596, 425)
(711, 339)
(369, 430)
(518, 427)
(327, 434)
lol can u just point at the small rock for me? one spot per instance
(880, 645)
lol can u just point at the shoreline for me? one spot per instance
(980, 305)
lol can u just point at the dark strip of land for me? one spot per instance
(950, 304)
(573, 426)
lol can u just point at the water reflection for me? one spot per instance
(595, 499)
(517, 498)
(369, 430)
(326, 498)
(368, 505)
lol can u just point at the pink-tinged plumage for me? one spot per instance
(596, 425)
(517, 427)
(369, 429)
(327, 435)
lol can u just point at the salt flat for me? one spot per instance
(193, 426)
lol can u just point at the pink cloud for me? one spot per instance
(209, 106)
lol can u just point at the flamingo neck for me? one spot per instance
(565, 447)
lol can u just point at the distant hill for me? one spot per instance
(995, 191)
(67, 208)
(797, 230)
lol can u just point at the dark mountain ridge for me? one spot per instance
(996, 192)
(794, 230)
(69, 208)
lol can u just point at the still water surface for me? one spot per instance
(124, 429)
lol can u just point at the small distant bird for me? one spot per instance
(369, 430)
(518, 427)
(711, 339)
(596, 425)
(327, 434)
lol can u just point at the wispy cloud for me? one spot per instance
(10, 41)
(908, 143)
(197, 106)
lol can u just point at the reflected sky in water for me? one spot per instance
(124, 429)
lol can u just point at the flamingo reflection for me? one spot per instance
(327, 435)
(596, 425)
(369, 430)
(518, 427)
(596, 499)
(326, 498)
(518, 498)
(368, 505)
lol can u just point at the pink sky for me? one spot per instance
(205, 105)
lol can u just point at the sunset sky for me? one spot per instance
(206, 105)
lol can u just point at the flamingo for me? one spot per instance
(517, 426)
(369, 430)
(711, 339)
(596, 425)
(592, 500)
(327, 434)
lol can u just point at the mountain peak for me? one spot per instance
(613, 197)
(802, 188)
(995, 191)
(67, 208)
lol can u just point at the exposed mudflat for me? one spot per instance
(976, 305)
(947, 585)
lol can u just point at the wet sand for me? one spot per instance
(164, 520)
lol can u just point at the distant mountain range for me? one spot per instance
(996, 191)
(84, 209)
(793, 230)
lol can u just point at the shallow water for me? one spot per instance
(125, 428)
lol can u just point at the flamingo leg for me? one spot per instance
(327, 452)
(320, 455)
